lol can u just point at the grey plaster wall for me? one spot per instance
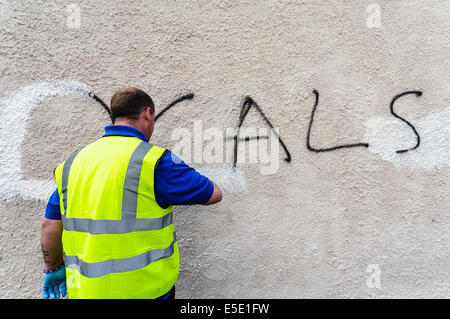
(354, 222)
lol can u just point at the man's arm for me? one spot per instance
(51, 241)
(216, 195)
(176, 183)
(54, 282)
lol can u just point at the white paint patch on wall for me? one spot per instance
(227, 177)
(14, 113)
(386, 135)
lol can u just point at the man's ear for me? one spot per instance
(152, 114)
(148, 114)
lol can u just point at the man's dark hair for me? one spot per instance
(130, 103)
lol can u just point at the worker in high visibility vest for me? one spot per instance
(108, 230)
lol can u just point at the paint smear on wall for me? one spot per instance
(226, 176)
(386, 135)
(14, 113)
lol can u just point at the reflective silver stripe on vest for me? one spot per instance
(99, 227)
(128, 223)
(102, 268)
(65, 178)
(131, 185)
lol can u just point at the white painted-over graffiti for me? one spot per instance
(227, 177)
(14, 113)
(387, 134)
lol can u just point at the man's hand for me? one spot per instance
(53, 282)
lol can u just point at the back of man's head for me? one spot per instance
(129, 103)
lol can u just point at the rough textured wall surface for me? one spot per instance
(347, 216)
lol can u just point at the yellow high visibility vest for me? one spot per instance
(117, 241)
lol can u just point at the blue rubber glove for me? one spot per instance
(53, 282)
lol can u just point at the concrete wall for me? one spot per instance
(347, 216)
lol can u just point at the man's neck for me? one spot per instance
(131, 123)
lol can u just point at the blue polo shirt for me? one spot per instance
(176, 183)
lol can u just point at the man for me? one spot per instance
(108, 227)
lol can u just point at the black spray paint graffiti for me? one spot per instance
(246, 106)
(103, 104)
(248, 103)
(329, 149)
(308, 145)
(189, 96)
(418, 93)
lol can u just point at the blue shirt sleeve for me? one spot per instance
(179, 184)
(52, 211)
